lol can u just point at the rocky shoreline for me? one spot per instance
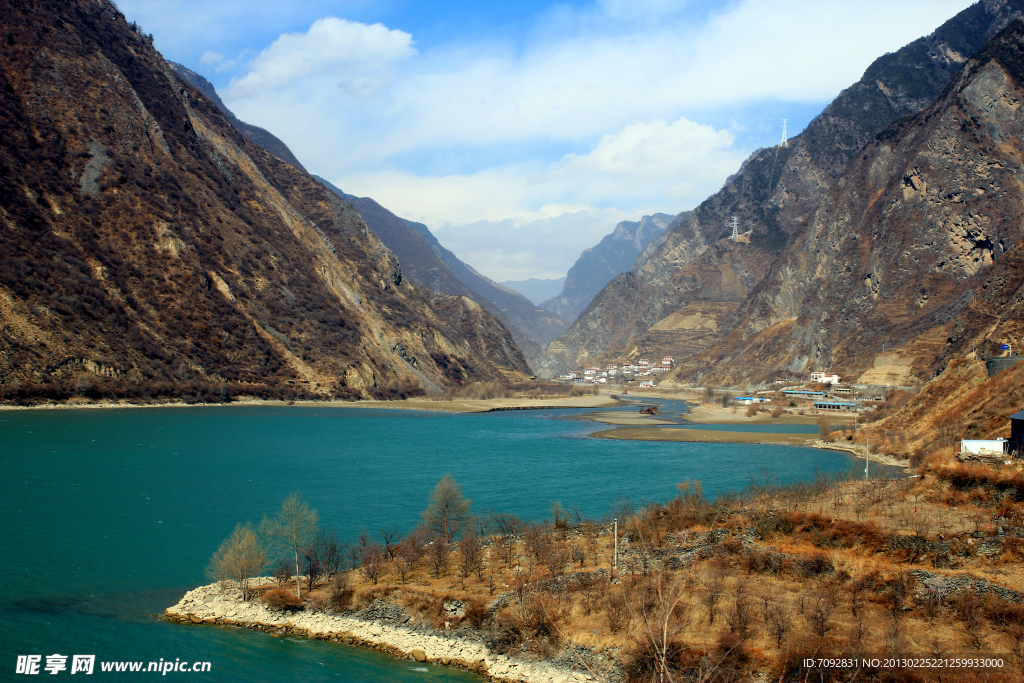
(212, 604)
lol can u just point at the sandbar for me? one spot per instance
(703, 436)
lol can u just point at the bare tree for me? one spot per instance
(469, 555)
(505, 547)
(390, 538)
(740, 616)
(768, 596)
(855, 592)
(374, 562)
(779, 621)
(448, 512)
(240, 557)
(292, 529)
(537, 542)
(617, 612)
(713, 583)
(559, 518)
(437, 553)
(823, 605)
(825, 429)
(409, 552)
(664, 617)
(590, 588)
(329, 552)
(557, 558)
(577, 555)
(972, 621)
(506, 524)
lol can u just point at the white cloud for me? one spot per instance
(357, 55)
(502, 221)
(542, 245)
(603, 108)
(218, 61)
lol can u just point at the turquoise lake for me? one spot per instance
(113, 514)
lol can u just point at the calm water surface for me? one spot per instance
(112, 514)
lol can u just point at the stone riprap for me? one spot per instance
(213, 605)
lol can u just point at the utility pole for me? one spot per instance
(867, 459)
(615, 562)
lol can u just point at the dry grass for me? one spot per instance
(963, 402)
(742, 587)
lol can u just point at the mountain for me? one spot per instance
(596, 266)
(149, 249)
(916, 257)
(260, 136)
(430, 265)
(687, 294)
(535, 289)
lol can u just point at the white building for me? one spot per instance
(824, 378)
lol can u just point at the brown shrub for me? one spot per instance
(282, 599)
(476, 613)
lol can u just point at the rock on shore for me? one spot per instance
(212, 605)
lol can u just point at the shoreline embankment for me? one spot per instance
(214, 605)
(490, 405)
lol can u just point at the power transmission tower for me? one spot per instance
(735, 228)
(784, 143)
(437, 286)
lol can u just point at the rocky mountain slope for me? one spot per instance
(147, 248)
(424, 261)
(918, 247)
(696, 274)
(262, 137)
(596, 266)
(428, 264)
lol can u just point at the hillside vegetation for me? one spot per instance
(148, 250)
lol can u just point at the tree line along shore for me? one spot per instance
(748, 585)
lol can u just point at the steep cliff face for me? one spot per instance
(596, 266)
(916, 252)
(262, 137)
(146, 248)
(777, 191)
(430, 265)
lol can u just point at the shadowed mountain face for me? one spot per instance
(147, 248)
(430, 265)
(694, 272)
(260, 136)
(596, 267)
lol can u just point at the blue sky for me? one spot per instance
(522, 132)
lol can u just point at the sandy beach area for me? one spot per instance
(708, 414)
